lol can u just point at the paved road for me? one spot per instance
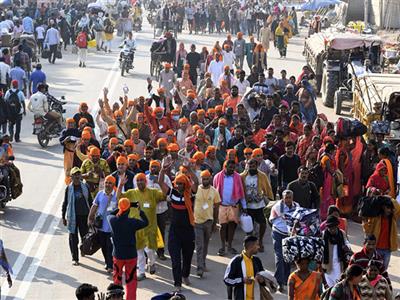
(35, 240)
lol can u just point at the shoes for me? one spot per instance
(80, 64)
(83, 65)
(186, 281)
(200, 273)
(232, 250)
(152, 269)
(221, 252)
(282, 288)
(205, 269)
(18, 141)
(141, 277)
(162, 257)
(75, 263)
(177, 289)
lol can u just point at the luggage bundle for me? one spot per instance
(370, 207)
(298, 247)
(305, 221)
(349, 127)
(382, 127)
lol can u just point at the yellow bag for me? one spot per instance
(91, 43)
(160, 240)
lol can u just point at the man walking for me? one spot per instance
(75, 211)
(15, 101)
(123, 234)
(37, 76)
(306, 192)
(52, 39)
(205, 218)
(229, 185)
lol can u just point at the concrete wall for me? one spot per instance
(355, 10)
(385, 13)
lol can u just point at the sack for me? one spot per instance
(90, 243)
(109, 29)
(246, 223)
(382, 127)
(58, 54)
(13, 105)
(15, 181)
(91, 44)
(370, 207)
(343, 127)
(98, 221)
(357, 128)
(45, 53)
(297, 247)
(81, 40)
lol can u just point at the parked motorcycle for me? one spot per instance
(126, 60)
(5, 195)
(48, 129)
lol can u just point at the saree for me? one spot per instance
(357, 153)
(326, 192)
(68, 161)
(345, 202)
(390, 177)
(307, 289)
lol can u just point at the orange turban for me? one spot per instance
(222, 122)
(134, 156)
(198, 155)
(128, 143)
(211, 111)
(175, 112)
(122, 160)
(169, 132)
(205, 173)
(131, 102)
(257, 151)
(94, 151)
(183, 169)
(113, 140)
(85, 135)
(186, 66)
(123, 205)
(88, 128)
(82, 121)
(141, 176)
(200, 131)
(218, 108)
(112, 129)
(155, 163)
(247, 150)
(161, 90)
(167, 65)
(191, 95)
(70, 121)
(158, 110)
(201, 112)
(173, 147)
(195, 127)
(118, 113)
(110, 178)
(162, 141)
(183, 120)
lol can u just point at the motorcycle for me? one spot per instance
(48, 129)
(4, 192)
(126, 60)
(137, 24)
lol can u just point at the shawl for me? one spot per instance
(237, 192)
(187, 193)
(71, 217)
(390, 177)
(376, 180)
(338, 240)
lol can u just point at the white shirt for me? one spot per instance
(251, 183)
(242, 86)
(38, 104)
(229, 59)
(272, 81)
(4, 70)
(216, 68)
(40, 32)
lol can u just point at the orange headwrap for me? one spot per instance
(158, 110)
(94, 151)
(113, 140)
(232, 151)
(205, 173)
(183, 120)
(118, 113)
(169, 132)
(155, 163)
(160, 90)
(210, 149)
(82, 121)
(88, 128)
(201, 112)
(219, 108)
(175, 112)
(85, 135)
(195, 128)
(123, 205)
(112, 129)
(128, 143)
(70, 121)
(111, 179)
(186, 194)
(140, 176)
(161, 141)
(122, 160)
(222, 122)
(173, 147)
(248, 151)
(134, 156)
(257, 151)
(198, 155)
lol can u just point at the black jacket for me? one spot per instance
(129, 175)
(234, 275)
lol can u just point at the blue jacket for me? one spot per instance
(123, 234)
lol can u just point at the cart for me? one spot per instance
(30, 41)
(157, 59)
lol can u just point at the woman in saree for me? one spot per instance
(344, 162)
(304, 142)
(356, 154)
(379, 180)
(303, 283)
(281, 40)
(328, 195)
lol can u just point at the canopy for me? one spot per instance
(349, 40)
(317, 4)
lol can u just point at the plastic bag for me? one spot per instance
(91, 43)
(246, 223)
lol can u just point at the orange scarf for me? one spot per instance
(187, 195)
(390, 177)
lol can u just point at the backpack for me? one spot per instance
(109, 29)
(81, 40)
(13, 105)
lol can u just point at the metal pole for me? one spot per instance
(366, 10)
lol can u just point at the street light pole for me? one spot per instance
(366, 10)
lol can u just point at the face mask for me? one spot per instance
(175, 118)
(253, 172)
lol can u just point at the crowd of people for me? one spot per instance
(157, 175)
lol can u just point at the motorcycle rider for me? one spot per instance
(129, 44)
(39, 105)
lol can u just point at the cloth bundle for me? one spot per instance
(382, 127)
(304, 221)
(298, 247)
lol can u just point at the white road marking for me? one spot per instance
(24, 254)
